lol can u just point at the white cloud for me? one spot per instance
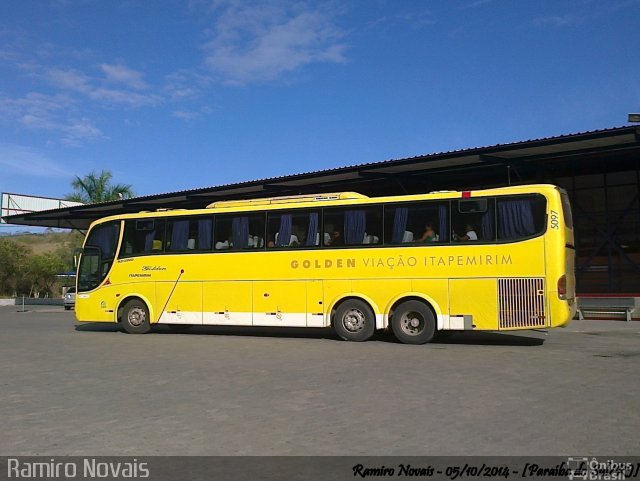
(249, 41)
(95, 88)
(76, 94)
(34, 109)
(185, 83)
(557, 20)
(416, 19)
(51, 113)
(476, 3)
(69, 80)
(79, 131)
(124, 75)
(36, 121)
(189, 115)
(124, 97)
(20, 160)
(66, 89)
(262, 41)
(186, 115)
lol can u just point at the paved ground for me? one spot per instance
(89, 389)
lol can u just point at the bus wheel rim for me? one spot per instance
(354, 320)
(412, 323)
(136, 316)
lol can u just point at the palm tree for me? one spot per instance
(97, 187)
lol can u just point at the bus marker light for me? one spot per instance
(562, 287)
(466, 194)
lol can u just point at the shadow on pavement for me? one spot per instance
(490, 339)
(97, 327)
(449, 338)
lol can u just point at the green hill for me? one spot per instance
(49, 242)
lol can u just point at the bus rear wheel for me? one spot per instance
(135, 317)
(413, 323)
(354, 321)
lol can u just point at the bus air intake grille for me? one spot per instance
(522, 303)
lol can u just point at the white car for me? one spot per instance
(69, 298)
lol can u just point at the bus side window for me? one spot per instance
(189, 234)
(239, 231)
(293, 229)
(143, 236)
(416, 223)
(353, 226)
(473, 220)
(157, 236)
(520, 217)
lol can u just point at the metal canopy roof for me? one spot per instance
(460, 169)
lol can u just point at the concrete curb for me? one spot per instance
(29, 301)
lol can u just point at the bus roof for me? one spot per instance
(290, 199)
(323, 200)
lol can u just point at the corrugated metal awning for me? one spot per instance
(357, 177)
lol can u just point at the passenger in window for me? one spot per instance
(336, 239)
(429, 234)
(226, 244)
(293, 241)
(470, 234)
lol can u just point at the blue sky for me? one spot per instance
(173, 95)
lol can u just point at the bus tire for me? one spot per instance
(135, 317)
(354, 320)
(413, 323)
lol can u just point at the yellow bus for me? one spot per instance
(499, 259)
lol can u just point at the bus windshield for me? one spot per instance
(97, 255)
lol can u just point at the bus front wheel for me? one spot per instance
(413, 323)
(135, 317)
(354, 321)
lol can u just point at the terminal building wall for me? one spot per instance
(607, 229)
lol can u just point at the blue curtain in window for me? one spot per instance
(205, 231)
(487, 226)
(516, 219)
(284, 233)
(105, 239)
(148, 240)
(400, 217)
(355, 225)
(443, 224)
(240, 232)
(312, 232)
(179, 235)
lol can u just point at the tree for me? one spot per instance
(97, 187)
(40, 272)
(12, 265)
